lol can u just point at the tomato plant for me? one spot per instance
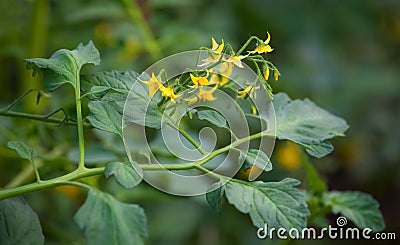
(154, 123)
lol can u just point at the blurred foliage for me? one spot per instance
(342, 54)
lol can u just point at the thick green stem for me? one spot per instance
(46, 184)
(87, 172)
(79, 119)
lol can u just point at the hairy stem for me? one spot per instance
(79, 119)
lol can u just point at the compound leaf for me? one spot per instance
(18, 223)
(23, 150)
(127, 174)
(105, 220)
(64, 65)
(303, 122)
(277, 204)
(361, 208)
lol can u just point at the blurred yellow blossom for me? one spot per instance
(216, 52)
(289, 156)
(221, 74)
(236, 60)
(207, 94)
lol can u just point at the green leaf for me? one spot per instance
(278, 204)
(105, 220)
(64, 65)
(127, 174)
(18, 223)
(213, 117)
(255, 157)
(23, 150)
(307, 124)
(101, 82)
(214, 197)
(142, 110)
(361, 208)
(105, 117)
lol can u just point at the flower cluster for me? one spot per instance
(218, 68)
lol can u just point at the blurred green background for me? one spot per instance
(344, 55)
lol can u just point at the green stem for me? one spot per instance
(137, 17)
(186, 135)
(43, 118)
(87, 172)
(22, 176)
(246, 44)
(35, 170)
(46, 184)
(79, 119)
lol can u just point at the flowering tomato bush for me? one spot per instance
(156, 127)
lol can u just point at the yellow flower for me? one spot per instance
(263, 47)
(202, 81)
(217, 48)
(206, 94)
(244, 93)
(192, 100)
(216, 52)
(221, 75)
(168, 92)
(276, 75)
(154, 84)
(236, 60)
(266, 74)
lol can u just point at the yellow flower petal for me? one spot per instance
(221, 74)
(202, 81)
(263, 47)
(168, 92)
(207, 94)
(236, 60)
(154, 85)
